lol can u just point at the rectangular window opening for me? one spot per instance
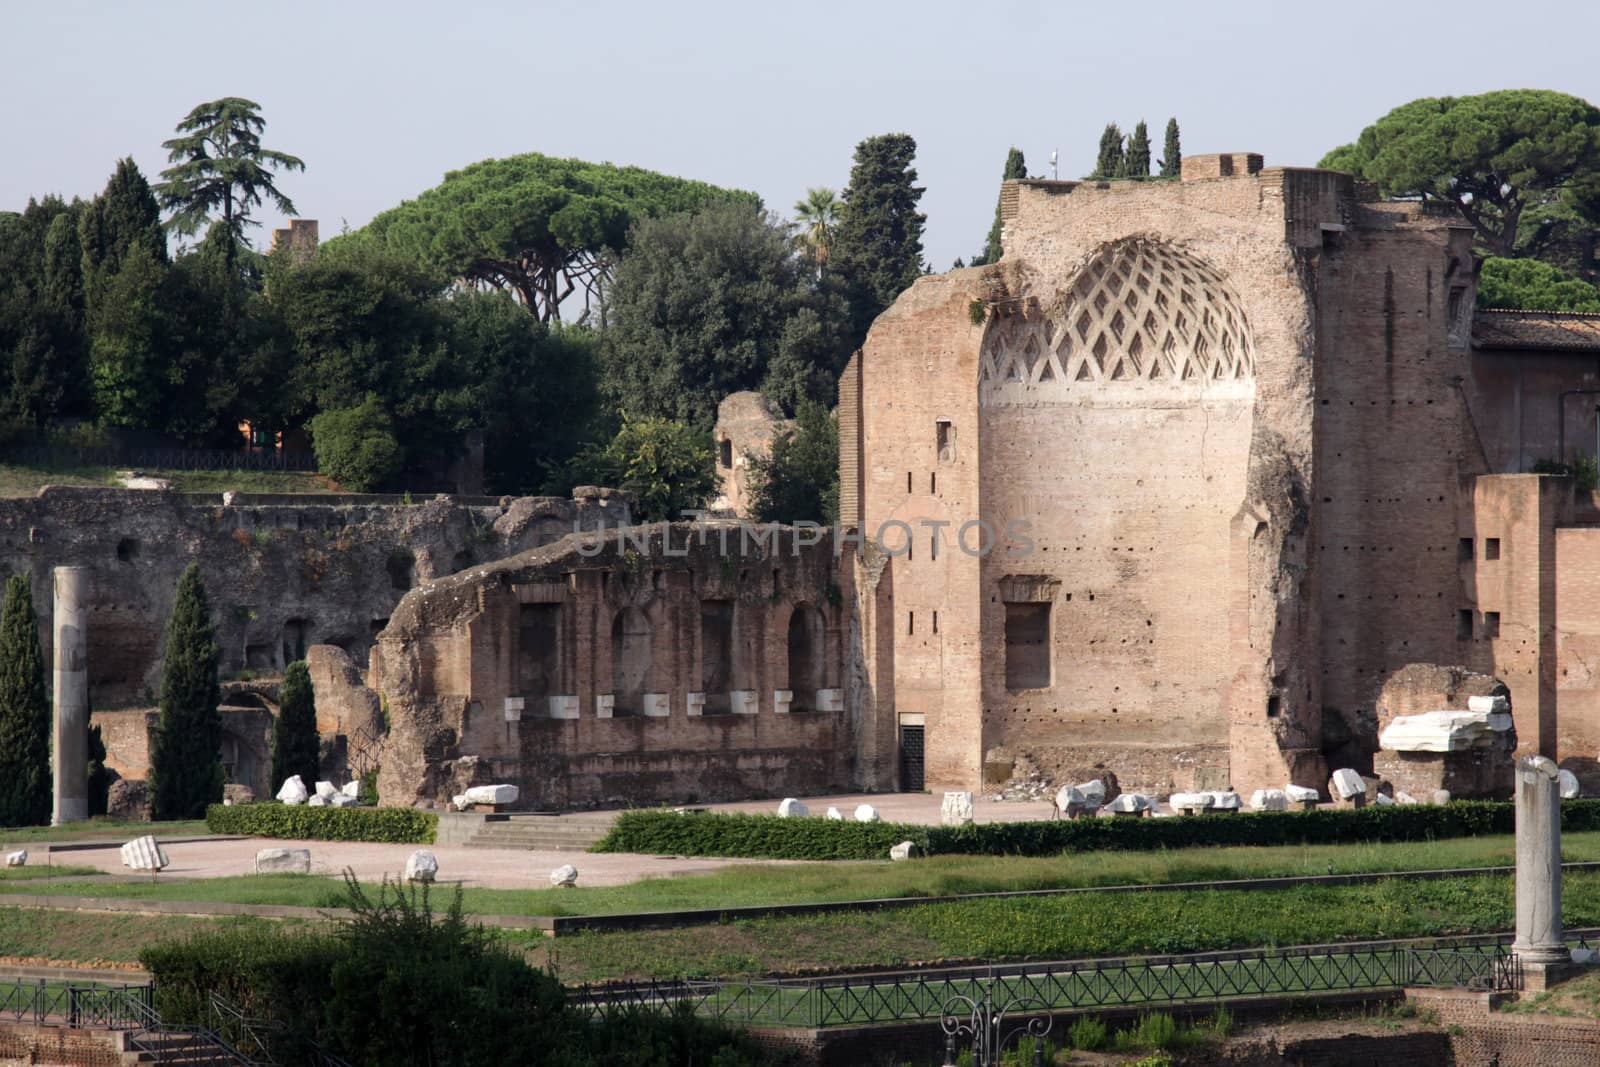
(945, 440)
(911, 622)
(1464, 624)
(725, 455)
(908, 483)
(936, 622)
(933, 545)
(1491, 624)
(1464, 550)
(1027, 646)
(1491, 548)
(933, 483)
(1274, 706)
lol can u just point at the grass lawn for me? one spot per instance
(1057, 928)
(26, 481)
(90, 937)
(756, 884)
(96, 829)
(1579, 997)
(41, 872)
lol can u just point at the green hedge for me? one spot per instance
(406, 826)
(769, 837)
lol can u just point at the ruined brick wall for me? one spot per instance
(1529, 406)
(1577, 652)
(283, 572)
(625, 668)
(1481, 1037)
(747, 424)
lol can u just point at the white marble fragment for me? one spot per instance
(864, 813)
(283, 861)
(1442, 731)
(144, 854)
(1225, 800)
(492, 794)
(1269, 800)
(792, 809)
(317, 801)
(422, 866)
(1441, 796)
(1569, 785)
(18, 858)
(1069, 797)
(1301, 794)
(956, 810)
(1495, 705)
(1129, 803)
(1189, 803)
(293, 790)
(835, 814)
(903, 851)
(564, 876)
(1404, 798)
(339, 800)
(1348, 783)
(352, 789)
(326, 789)
(460, 802)
(1094, 791)
(1384, 800)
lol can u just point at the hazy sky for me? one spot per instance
(381, 99)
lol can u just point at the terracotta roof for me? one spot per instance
(1565, 331)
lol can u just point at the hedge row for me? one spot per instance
(406, 826)
(769, 837)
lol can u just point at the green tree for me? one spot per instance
(1136, 164)
(219, 168)
(1172, 152)
(185, 763)
(817, 215)
(42, 350)
(668, 466)
(24, 712)
(1109, 162)
(100, 776)
(1531, 285)
(123, 217)
(541, 227)
(799, 480)
(877, 248)
(295, 744)
(1497, 157)
(133, 332)
(357, 447)
(708, 304)
(1016, 168)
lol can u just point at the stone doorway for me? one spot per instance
(911, 758)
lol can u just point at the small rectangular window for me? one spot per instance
(908, 483)
(1464, 624)
(1491, 548)
(945, 441)
(1274, 706)
(933, 483)
(725, 454)
(1491, 624)
(911, 622)
(933, 545)
(1464, 550)
(935, 622)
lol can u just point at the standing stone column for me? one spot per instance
(71, 751)
(1539, 941)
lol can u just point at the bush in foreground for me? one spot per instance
(406, 826)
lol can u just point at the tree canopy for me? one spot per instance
(539, 226)
(1496, 156)
(668, 466)
(219, 167)
(799, 480)
(24, 712)
(1136, 162)
(1532, 285)
(708, 304)
(877, 249)
(1109, 160)
(1172, 151)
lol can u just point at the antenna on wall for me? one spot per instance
(1052, 164)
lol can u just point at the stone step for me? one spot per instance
(542, 833)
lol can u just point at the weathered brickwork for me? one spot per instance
(1481, 1037)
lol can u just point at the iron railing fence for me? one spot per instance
(103, 1007)
(815, 1003)
(269, 1042)
(186, 459)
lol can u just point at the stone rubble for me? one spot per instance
(1269, 800)
(1445, 731)
(1301, 794)
(864, 813)
(326, 790)
(835, 814)
(144, 854)
(283, 861)
(1190, 803)
(792, 809)
(1129, 804)
(956, 810)
(564, 876)
(903, 851)
(492, 794)
(1569, 785)
(18, 858)
(1347, 784)
(293, 790)
(423, 866)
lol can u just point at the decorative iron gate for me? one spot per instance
(911, 759)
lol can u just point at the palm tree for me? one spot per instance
(816, 216)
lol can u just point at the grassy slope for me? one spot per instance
(96, 829)
(87, 937)
(26, 481)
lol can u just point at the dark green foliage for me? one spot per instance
(100, 776)
(713, 303)
(397, 984)
(185, 766)
(767, 836)
(294, 735)
(1502, 158)
(799, 481)
(1136, 164)
(123, 217)
(357, 447)
(42, 372)
(667, 466)
(1172, 152)
(538, 226)
(406, 826)
(133, 332)
(1583, 470)
(1016, 168)
(219, 168)
(877, 249)
(1532, 285)
(24, 712)
(1109, 161)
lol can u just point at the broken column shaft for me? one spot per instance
(1539, 938)
(71, 750)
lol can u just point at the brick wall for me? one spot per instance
(1481, 1037)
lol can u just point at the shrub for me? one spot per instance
(357, 447)
(295, 744)
(769, 837)
(1087, 1034)
(1156, 1030)
(393, 825)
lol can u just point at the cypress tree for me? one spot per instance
(185, 767)
(877, 248)
(99, 775)
(24, 712)
(121, 218)
(1109, 163)
(294, 735)
(1137, 163)
(1172, 153)
(1016, 167)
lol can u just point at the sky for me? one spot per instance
(381, 99)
